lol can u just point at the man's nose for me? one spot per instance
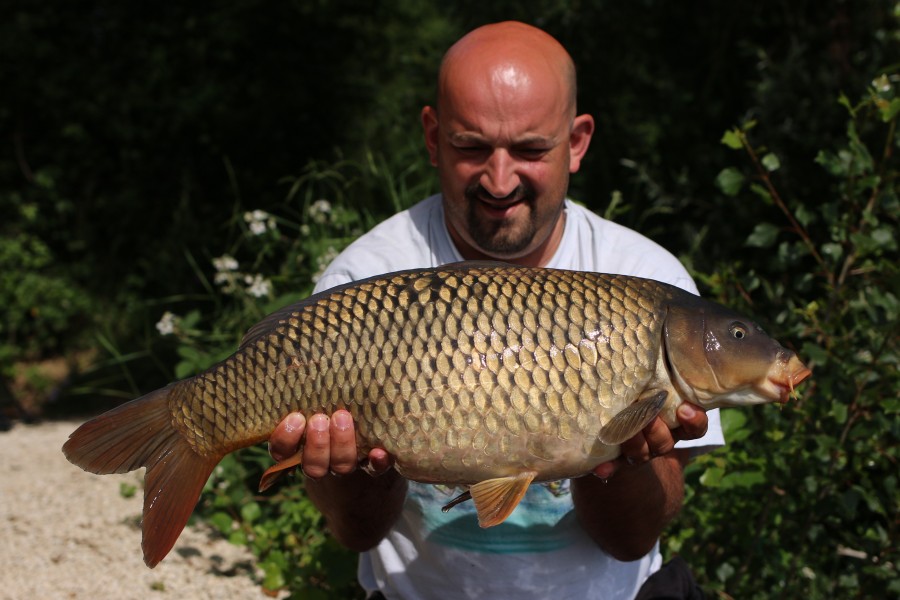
(499, 177)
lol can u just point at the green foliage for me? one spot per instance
(40, 304)
(804, 501)
(283, 529)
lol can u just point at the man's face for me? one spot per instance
(502, 145)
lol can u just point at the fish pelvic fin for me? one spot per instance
(634, 418)
(139, 434)
(495, 499)
(278, 470)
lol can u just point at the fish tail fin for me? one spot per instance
(140, 434)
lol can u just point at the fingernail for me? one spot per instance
(686, 411)
(294, 422)
(318, 423)
(341, 421)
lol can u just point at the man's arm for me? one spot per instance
(631, 500)
(359, 509)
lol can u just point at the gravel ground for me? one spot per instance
(70, 534)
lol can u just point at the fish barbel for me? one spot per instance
(486, 375)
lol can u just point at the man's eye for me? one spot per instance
(532, 152)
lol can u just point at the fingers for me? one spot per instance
(317, 447)
(285, 440)
(379, 461)
(656, 439)
(329, 445)
(343, 443)
(693, 421)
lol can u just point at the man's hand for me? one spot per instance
(657, 439)
(329, 446)
(359, 509)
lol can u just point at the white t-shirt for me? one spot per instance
(540, 551)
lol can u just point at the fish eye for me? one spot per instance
(738, 331)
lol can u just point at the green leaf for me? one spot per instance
(250, 512)
(712, 477)
(127, 490)
(832, 250)
(273, 578)
(733, 139)
(733, 425)
(742, 479)
(770, 162)
(763, 236)
(730, 181)
(889, 112)
(221, 521)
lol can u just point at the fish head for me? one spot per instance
(717, 357)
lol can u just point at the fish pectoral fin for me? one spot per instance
(634, 418)
(277, 471)
(495, 499)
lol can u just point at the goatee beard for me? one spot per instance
(501, 237)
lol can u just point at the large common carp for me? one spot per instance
(486, 375)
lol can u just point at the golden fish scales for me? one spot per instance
(445, 371)
(482, 374)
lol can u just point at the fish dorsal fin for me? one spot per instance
(495, 499)
(634, 418)
(278, 470)
(268, 323)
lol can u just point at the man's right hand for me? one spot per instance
(360, 510)
(329, 445)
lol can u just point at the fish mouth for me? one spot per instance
(788, 375)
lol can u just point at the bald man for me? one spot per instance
(505, 137)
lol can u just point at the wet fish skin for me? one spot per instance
(487, 375)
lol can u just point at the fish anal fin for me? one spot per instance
(634, 418)
(278, 470)
(495, 499)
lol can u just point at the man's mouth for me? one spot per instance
(499, 207)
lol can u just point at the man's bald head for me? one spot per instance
(509, 54)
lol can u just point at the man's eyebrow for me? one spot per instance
(474, 138)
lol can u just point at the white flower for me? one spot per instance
(223, 264)
(319, 210)
(260, 221)
(882, 84)
(228, 280)
(257, 286)
(166, 325)
(322, 261)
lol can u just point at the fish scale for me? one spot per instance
(380, 351)
(486, 375)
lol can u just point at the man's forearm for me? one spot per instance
(359, 509)
(626, 515)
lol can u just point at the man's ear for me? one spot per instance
(579, 140)
(430, 128)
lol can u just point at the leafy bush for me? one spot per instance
(40, 304)
(804, 501)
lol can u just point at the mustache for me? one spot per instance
(522, 192)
